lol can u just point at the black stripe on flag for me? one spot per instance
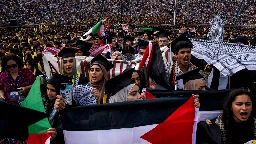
(120, 115)
(134, 114)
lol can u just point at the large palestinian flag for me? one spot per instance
(159, 121)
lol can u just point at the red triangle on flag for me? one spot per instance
(176, 129)
(148, 95)
(40, 138)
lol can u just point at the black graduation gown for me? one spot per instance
(206, 134)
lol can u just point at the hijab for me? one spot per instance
(100, 85)
(121, 95)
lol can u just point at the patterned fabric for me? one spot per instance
(220, 123)
(126, 58)
(228, 58)
(51, 50)
(82, 95)
(180, 84)
(216, 32)
(95, 50)
(13, 141)
(75, 79)
(138, 57)
(166, 58)
(7, 84)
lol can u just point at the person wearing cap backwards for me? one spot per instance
(68, 66)
(94, 91)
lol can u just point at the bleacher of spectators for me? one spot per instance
(68, 12)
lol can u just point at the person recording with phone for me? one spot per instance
(54, 88)
(93, 92)
(15, 80)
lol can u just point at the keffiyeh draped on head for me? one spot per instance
(122, 95)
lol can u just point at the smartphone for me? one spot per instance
(66, 92)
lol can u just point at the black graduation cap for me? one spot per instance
(103, 61)
(181, 38)
(67, 52)
(56, 79)
(143, 44)
(11, 127)
(83, 46)
(163, 33)
(119, 82)
(128, 49)
(191, 75)
(128, 38)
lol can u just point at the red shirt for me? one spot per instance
(7, 84)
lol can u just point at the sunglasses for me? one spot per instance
(12, 66)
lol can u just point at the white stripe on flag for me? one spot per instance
(149, 55)
(127, 135)
(113, 136)
(48, 141)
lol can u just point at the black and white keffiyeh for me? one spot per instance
(216, 32)
(228, 58)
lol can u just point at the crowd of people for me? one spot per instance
(170, 66)
(22, 51)
(138, 12)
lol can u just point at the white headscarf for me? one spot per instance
(122, 95)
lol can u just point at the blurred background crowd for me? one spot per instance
(236, 12)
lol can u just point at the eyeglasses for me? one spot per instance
(12, 66)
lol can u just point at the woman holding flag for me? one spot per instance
(236, 124)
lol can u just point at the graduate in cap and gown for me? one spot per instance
(83, 48)
(122, 88)
(53, 89)
(68, 66)
(128, 53)
(94, 91)
(163, 42)
(142, 45)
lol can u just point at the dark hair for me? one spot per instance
(128, 49)
(32, 63)
(182, 44)
(227, 115)
(8, 57)
(143, 83)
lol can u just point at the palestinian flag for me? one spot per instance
(159, 121)
(38, 131)
(97, 29)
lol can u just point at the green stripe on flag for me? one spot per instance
(34, 101)
(96, 28)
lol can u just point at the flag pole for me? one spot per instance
(174, 15)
